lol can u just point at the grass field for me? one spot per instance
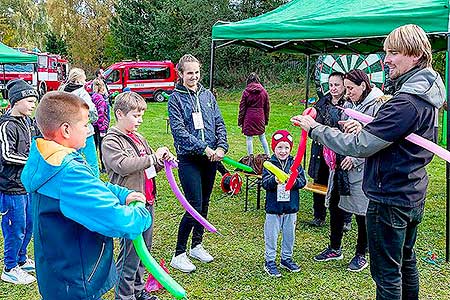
(237, 272)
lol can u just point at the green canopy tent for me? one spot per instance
(11, 56)
(316, 27)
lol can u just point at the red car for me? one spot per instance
(147, 78)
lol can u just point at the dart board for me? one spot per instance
(371, 64)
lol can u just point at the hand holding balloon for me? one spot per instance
(135, 196)
(307, 118)
(280, 175)
(413, 138)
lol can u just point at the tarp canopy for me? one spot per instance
(10, 56)
(335, 26)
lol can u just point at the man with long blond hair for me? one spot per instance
(395, 179)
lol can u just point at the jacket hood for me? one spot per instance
(254, 88)
(426, 84)
(374, 94)
(46, 160)
(70, 87)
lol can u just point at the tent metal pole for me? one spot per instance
(308, 75)
(211, 66)
(447, 165)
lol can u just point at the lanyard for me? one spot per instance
(199, 111)
(283, 166)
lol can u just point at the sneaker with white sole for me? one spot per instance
(28, 265)
(183, 263)
(358, 263)
(198, 252)
(17, 276)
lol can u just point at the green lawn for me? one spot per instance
(237, 272)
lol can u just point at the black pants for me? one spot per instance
(98, 144)
(337, 220)
(197, 176)
(393, 233)
(319, 208)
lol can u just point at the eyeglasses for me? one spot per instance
(279, 136)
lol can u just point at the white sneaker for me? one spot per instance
(17, 276)
(28, 266)
(183, 263)
(201, 254)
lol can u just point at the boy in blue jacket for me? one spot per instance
(281, 206)
(75, 214)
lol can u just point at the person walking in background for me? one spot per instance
(200, 139)
(75, 85)
(395, 178)
(328, 114)
(254, 112)
(17, 130)
(102, 124)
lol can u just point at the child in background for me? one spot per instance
(102, 124)
(16, 132)
(130, 162)
(75, 214)
(75, 85)
(281, 206)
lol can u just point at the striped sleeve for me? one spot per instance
(8, 142)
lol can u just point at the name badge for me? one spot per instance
(198, 120)
(282, 194)
(150, 172)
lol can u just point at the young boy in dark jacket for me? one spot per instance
(281, 206)
(16, 131)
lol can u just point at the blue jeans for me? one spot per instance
(272, 227)
(90, 155)
(17, 227)
(392, 233)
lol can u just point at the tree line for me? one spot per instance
(97, 33)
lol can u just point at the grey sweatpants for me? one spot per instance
(130, 268)
(272, 227)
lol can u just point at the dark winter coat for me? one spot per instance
(270, 185)
(327, 114)
(254, 110)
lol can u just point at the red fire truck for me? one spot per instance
(147, 78)
(52, 70)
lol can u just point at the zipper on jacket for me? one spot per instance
(97, 263)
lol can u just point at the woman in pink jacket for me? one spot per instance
(254, 113)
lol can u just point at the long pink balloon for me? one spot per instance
(413, 138)
(187, 206)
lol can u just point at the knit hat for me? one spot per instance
(18, 89)
(281, 136)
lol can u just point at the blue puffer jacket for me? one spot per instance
(75, 215)
(187, 139)
(270, 185)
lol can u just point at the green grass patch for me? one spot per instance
(237, 271)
